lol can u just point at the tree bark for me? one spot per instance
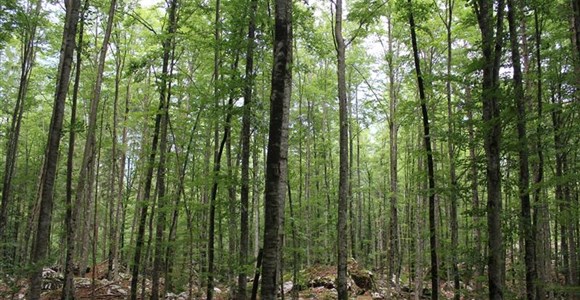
(42, 236)
(276, 162)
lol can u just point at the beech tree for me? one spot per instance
(276, 163)
(41, 241)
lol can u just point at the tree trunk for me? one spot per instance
(216, 158)
(394, 244)
(343, 158)
(246, 135)
(451, 149)
(524, 174)
(276, 164)
(117, 173)
(72, 210)
(164, 100)
(149, 167)
(41, 244)
(491, 47)
(430, 168)
(541, 217)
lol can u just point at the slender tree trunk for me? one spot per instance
(144, 206)
(479, 268)
(394, 244)
(430, 168)
(451, 148)
(117, 170)
(524, 173)
(164, 100)
(541, 218)
(41, 244)
(216, 159)
(576, 30)
(276, 164)
(343, 158)
(492, 48)
(246, 134)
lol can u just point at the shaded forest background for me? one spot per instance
(433, 142)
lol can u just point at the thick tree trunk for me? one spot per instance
(276, 163)
(41, 244)
(491, 47)
(72, 210)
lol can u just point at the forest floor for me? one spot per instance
(316, 282)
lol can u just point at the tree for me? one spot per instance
(42, 235)
(524, 181)
(164, 100)
(72, 209)
(343, 156)
(429, 154)
(276, 163)
(491, 44)
(393, 157)
(246, 134)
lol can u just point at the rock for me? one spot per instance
(82, 282)
(363, 279)
(323, 281)
(287, 287)
(52, 283)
